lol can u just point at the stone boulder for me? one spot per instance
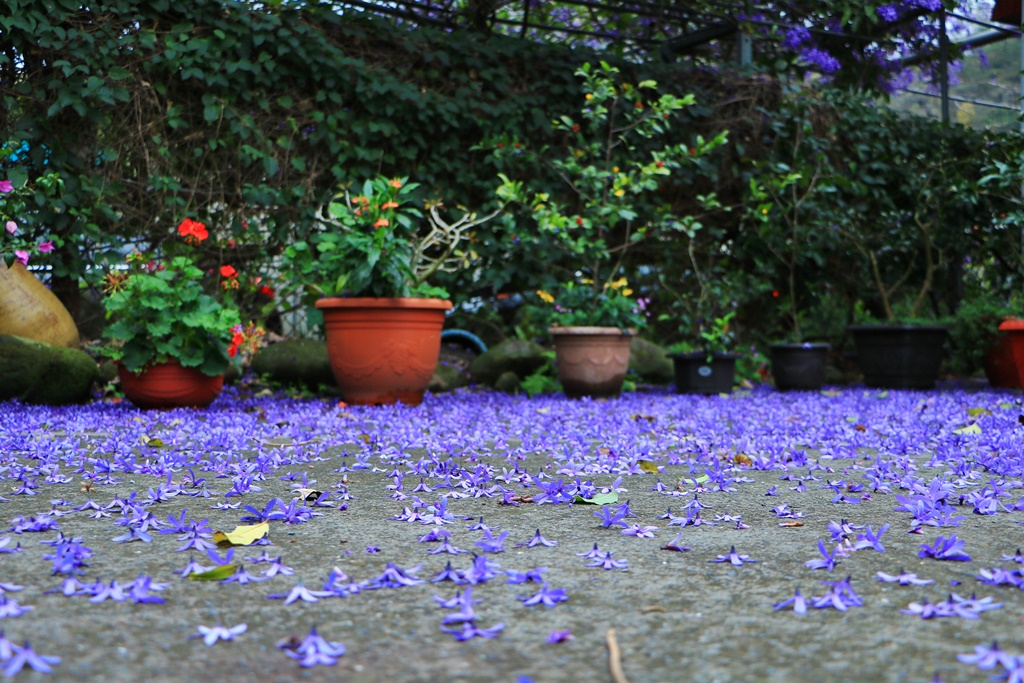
(447, 377)
(36, 372)
(650, 362)
(512, 355)
(295, 363)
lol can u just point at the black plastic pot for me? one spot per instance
(900, 356)
(799, 366)
(697, 374)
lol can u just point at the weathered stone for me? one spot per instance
(42, 373)
(296, 363)
(650, 362)
(508, 382)
(512, 355)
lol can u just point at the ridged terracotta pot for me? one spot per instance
(168, 385)
(1014, 332)
(1000, 365)
(383, 351)
(592, 361)
(28, 309)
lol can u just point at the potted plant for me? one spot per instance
(788, 205)
(592, 334)
(172, 340)
(368, 268)
(908, 224)
(27, 307)
(614, 161)
(978, 342)
(707, 367)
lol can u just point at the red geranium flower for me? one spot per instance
(228, 272)
(193, 231)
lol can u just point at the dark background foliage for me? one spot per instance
(247, 117)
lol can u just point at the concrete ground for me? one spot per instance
(677, 616)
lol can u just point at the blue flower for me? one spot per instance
(211, 635)
(549, 597)
(950, 549)
(733, 557)
(797, 601)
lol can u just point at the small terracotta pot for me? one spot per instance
(164, 386)
(592, 361)
(383, 350)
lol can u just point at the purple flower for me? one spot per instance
(25, 655)
(549, 597)
(300, 592)
(490, 544)
(560, 636)
(987, 657)
(538, 540)
(395, 577)
(639, 531)
(10, 608)
(887, 13)
(211, 635)
(950, 549)
(735, 558)
(534, 575)
(605, 561)
(840, 596)
(903, 578)
(469, 630)
(460, 599)
(312, 650)
(869, 539)
(797, 601)
(829, 559)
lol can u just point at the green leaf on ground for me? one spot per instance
(598, 499)
(216, 574)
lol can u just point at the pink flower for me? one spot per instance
(12, 227)
(21, 256)
(46, 247)
(6, 186)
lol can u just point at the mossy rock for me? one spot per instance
(650, 362)
(36, 372)
(295, 363)
(512, 355)
(447, 378)
(508, 382)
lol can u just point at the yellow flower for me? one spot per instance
(545, 297)
(627, 292)
(615, 169)
(589, 97)
(620, 192)
(764, 211)
(618, 284)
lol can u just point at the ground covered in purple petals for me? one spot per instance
(850, 534)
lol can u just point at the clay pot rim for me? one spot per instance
(1011, 326)
(383, 302)
(591, 330)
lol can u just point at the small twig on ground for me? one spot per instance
(615, 658)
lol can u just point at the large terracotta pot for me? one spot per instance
(28, 309)
(592, 361)
(169, 385)
(383, 350)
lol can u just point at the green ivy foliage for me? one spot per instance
(249, 116)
